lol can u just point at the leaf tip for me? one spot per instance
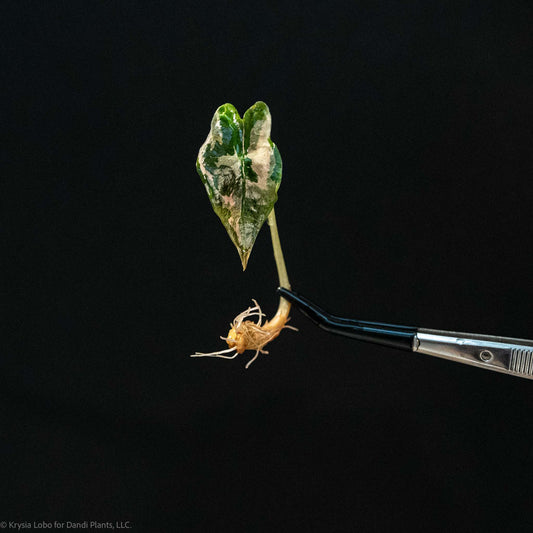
(245, 255)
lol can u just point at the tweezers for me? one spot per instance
(501, 354)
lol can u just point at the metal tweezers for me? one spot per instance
(502, 354)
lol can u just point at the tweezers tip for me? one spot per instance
(288, 295)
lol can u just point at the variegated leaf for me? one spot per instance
(241, 170)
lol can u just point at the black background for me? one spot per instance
(405, 133)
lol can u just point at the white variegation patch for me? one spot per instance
(261, 153)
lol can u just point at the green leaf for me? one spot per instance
(241, 170)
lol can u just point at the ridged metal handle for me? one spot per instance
(501, 354)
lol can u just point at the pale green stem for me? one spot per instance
(284, 306)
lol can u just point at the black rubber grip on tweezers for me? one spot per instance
(400, 337)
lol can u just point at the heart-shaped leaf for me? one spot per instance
(241, 169)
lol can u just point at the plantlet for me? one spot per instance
(241, 170)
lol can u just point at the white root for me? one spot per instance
(251, 311)
(216, 354)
